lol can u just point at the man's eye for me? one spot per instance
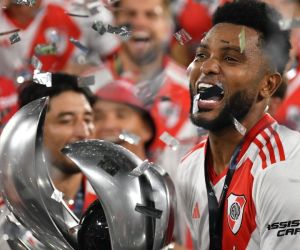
(200, 56)
(230, 59)
(65, 121)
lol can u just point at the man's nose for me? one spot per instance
(210, 66)
(83, 130)
(139, 21)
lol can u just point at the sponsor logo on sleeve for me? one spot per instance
(284, 228)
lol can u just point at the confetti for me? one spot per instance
(102, 28)
(242, 40)
(148, 211)
(99, 27)
(169, 247)
(129, 137)
(139, 170)
(182, 36)
(169, 140)
(79, 45)
(76, 15)
(57, 195)
(239, 127)
(9, 32)
(36, 63)
(85, 81)
(14, 38)
(25, 2)
(42, 78)
(195, 103)
(45, 49)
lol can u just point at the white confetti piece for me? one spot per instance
(242, 40)
(182, 36)
(239, 127)
(42, 78)
(129, 137)
(169, 140)
(139, 170)
(57, 195)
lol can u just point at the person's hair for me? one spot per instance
(265, 20)
(165, 3)
(61, 82)
(148, 120)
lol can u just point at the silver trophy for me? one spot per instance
(136, 198)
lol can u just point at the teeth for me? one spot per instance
(140, 35)
(204, 85)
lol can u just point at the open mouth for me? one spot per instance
(141, 36)
(210, 92)
(209, 96)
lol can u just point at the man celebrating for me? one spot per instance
(240, 187)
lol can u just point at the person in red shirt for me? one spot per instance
(8, 101)
(41, 24)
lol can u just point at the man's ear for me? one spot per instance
(271, 82)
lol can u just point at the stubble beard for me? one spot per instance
(237, 107)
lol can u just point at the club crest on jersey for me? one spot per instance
(235, 210)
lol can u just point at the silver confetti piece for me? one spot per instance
(239, 127)
(169, 140)
(25, 2)
(100, 27)
(139, 170)
(129, 137)
(14, 38)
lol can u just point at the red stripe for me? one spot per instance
(261, 152)
(200, 145)
(269, 146)
(279, 144)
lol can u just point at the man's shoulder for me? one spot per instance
(195, 151)
(175, 73)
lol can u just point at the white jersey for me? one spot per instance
(262, 204)
(51, 25)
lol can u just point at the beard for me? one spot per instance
(147, 57)
(238, 106)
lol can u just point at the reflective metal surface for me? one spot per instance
(107, 167)
(25, 183)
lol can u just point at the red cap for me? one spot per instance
(8, 100)
(121, 91)
(195, 19)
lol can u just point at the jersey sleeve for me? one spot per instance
(276, 194)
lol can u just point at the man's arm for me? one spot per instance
(276, 193)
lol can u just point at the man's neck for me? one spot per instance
(223, 143)
(140, 72)
(68, 184)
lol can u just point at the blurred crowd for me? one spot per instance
(116, 70)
